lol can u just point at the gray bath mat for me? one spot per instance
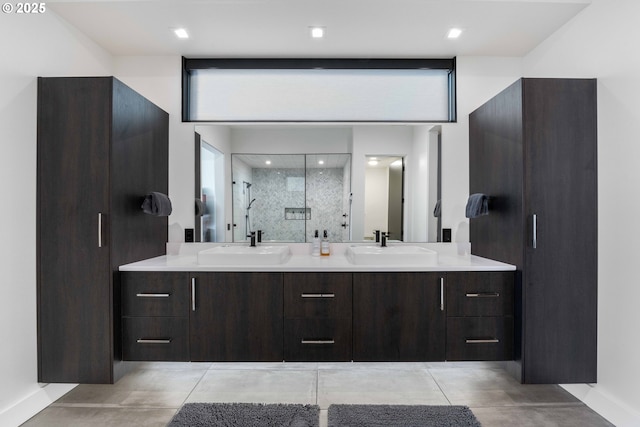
(246, 415)
(400, 416)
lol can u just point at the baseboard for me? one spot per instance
(34, 403)
(616, 412)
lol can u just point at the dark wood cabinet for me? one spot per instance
(398, 316)
(533, 151)
(155, 316)
(236, 317)
(317, 310)
(101, 148)
(479, 315)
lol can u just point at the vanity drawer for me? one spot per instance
(317, 340)
(155, 294)
(317, 295)
(480, 293)
(480, 338)
(155, 338)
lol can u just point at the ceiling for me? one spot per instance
(354, 28)
(294, 161)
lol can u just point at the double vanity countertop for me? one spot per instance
(450, 257)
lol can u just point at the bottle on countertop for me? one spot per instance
(315, 248)
(325, 249)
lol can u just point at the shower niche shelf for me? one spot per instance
(297, 213)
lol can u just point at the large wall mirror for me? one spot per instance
(289, 180)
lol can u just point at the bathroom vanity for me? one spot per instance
(306, 308)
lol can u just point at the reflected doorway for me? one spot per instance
(383, 196)
(209, 205)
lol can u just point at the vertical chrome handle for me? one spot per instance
(535, 231)
(193, 294)
(442, 294)
(99, 229)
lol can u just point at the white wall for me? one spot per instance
(31, 46)
(602, 42)
(159, 78)
(419, 188)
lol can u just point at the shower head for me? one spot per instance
(247, 184)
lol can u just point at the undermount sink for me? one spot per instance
(244, 255)
(391, 255)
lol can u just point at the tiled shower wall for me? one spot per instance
(275, 190)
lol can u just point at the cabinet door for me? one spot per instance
(236, 317)
(74, 285)
(398, 317)
(560, 275)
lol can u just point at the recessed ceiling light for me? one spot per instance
(321, 162)
(373, 162)
(316, 32)
(268, 162)
(181, 33)
(454, 33)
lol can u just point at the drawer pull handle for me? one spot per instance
(145, 295)
(193, 294)
(153, 341)
(482, 341)
(483, 295)
(318, 295)
(318, 341)
(442, 294)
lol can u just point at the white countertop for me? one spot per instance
(451, 257)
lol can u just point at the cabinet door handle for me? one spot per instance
(482, 341)
(146, 295)
(99, 229)
(534, 241)
(153, 341)
(483, 295)
(318, 341)
(317, 295)
(442, 294)
(193, 294)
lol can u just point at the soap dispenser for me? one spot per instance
(315, 248)
(325, 250)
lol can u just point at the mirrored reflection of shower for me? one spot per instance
(246, 191)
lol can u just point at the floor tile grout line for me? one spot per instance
(438, 384)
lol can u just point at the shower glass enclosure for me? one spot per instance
(289, 196)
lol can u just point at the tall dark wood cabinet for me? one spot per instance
(533, 151)
(101, 148)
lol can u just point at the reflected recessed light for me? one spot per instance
(317, 32)
(373, 162)
(181, 33)
(268, 162)
(454, 33)
(321, 162)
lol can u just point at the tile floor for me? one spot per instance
(152, 393)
